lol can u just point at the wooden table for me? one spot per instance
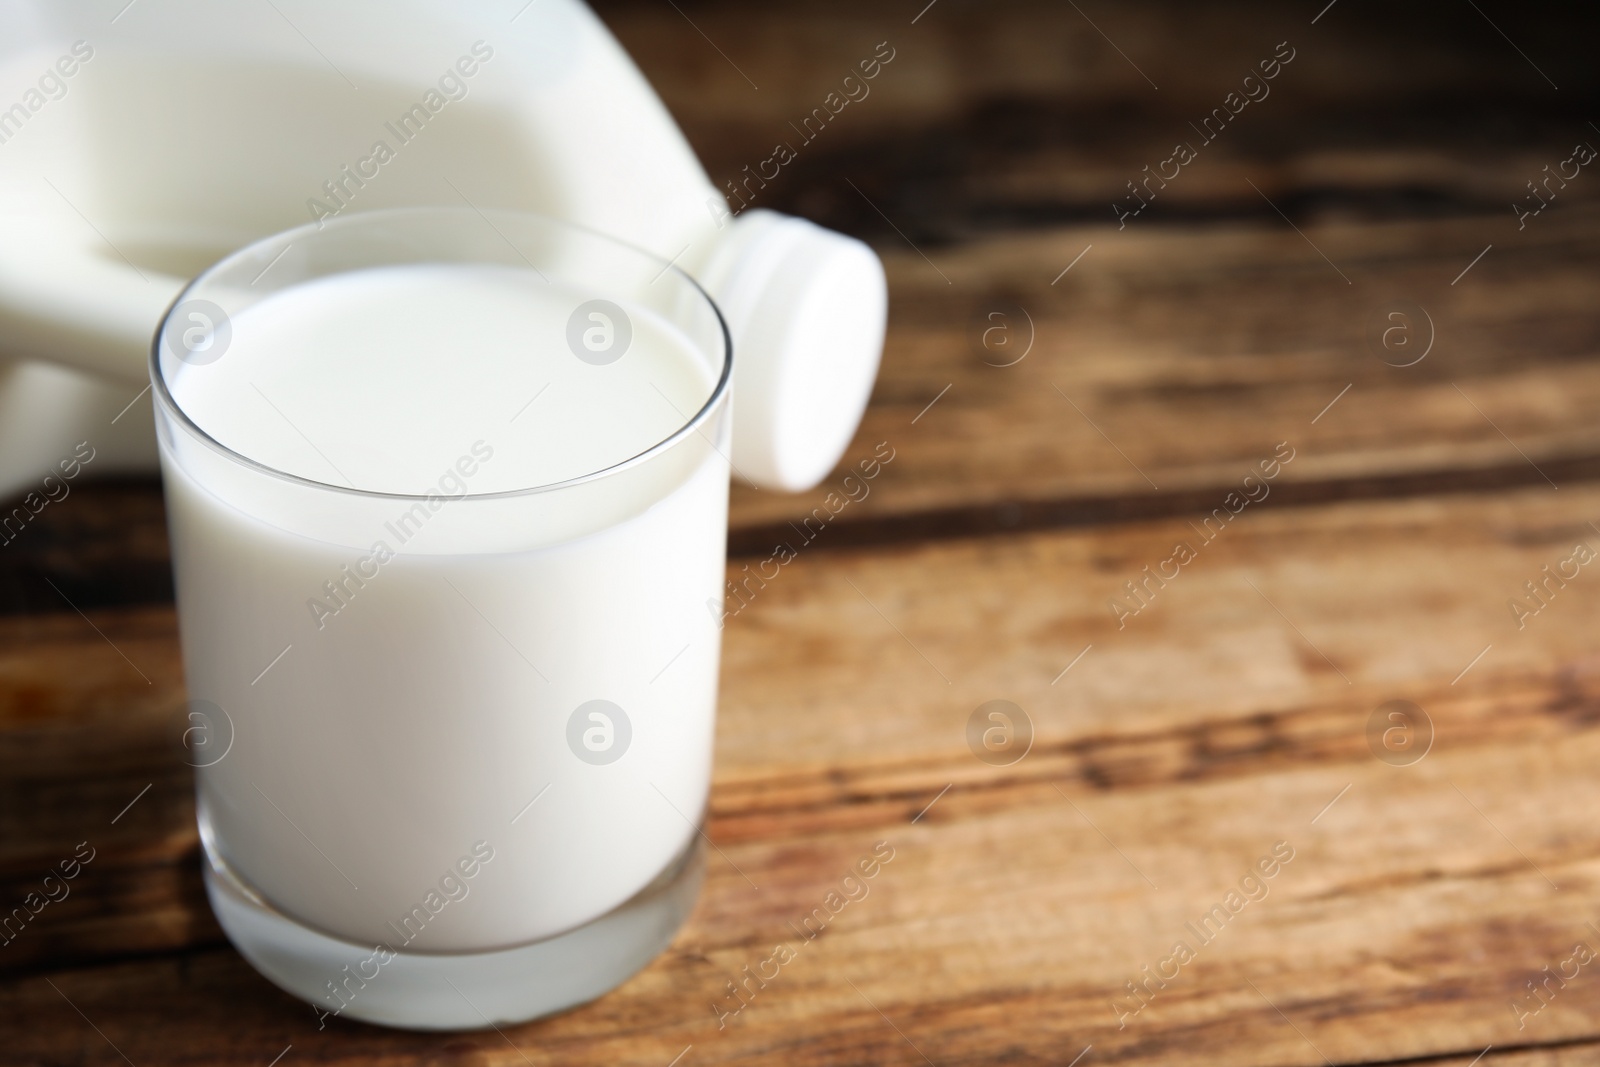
(1432, 874)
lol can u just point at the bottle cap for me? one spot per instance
(806, 308)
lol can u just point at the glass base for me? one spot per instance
(467, 991)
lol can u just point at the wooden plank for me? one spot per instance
(1172, 359)
(1029, 114)
(990, 120)
(1208, 728)
(104, 544)
(703, 58)
(1411, 937)
(1161, 368)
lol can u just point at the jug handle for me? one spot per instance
(79, 308)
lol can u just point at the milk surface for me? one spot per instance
(397, 705)
(380, 379)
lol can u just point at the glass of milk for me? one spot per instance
(447, 492)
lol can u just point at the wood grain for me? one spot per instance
(1028, 113)
(1207, 729)
(1171, 748)
(1161, 369)
(1172, 360)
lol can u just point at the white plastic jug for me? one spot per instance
(138, 146)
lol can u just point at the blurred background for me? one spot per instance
(1402, 135)
(1378, 280)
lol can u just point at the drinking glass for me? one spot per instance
(452, 740)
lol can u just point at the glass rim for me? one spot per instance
(693, 424)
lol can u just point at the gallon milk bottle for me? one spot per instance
(138, 147)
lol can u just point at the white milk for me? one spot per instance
(424, 699)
